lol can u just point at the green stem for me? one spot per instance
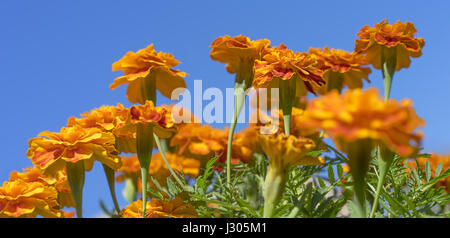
(144, 147)
(163, 154)
(148, 88)
(335, 81)
(385, 159)
(359, 159)
(76, 177)
(144, 175)
(273, 189)
(111, 184)
(389, 61)
(239, 96)
(287, 98)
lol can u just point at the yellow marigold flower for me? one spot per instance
(280, 63)
(107, 118)
(398, 37)
(156, 208)
(59, 181)
(147, 67)
(200, 141)
(50, 151)
(435, 160)
(237, 52)
(285, 151)
(158, 117)
(363, 114)
(245, 143)
(28, 199)
(203, 142)
(344, 67)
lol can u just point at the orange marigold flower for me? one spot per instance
(435, 160)
(28, 199)
(285, 151)
(237, 51)
(50, 151)
(59, 181)
(203, 142)
(200, 141)
(280, 63)
(345, 67)
(398, 37)
(158, 117)
(245, 143)
(148, 67)
(156, 208)
(104, 117)
(363, 114)
(107, 118)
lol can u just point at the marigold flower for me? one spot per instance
(28, 199)
(59, 181)
(148, 67)
(285, 151)
(104, 117)
(200, 141)
(345, 67)
(50, 151)
(107, 118)
(398, 37)
(245, 144)
(435, 160)
(160, 118)
(203, 142)
(363, 114)
(237, 52)
(280, 63)
(156, 208)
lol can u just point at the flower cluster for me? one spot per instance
(320, 95)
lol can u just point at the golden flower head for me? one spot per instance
(104, 117)
(398, 37)
(350, 67)
(200, 141)
(58, 181)
(50, 151)
(280, 63)
(156, 208)
(236, 51)
(158, 117)
(362, 114)
(285, 151)
(151, 65)
(28, 199)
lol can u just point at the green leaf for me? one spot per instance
(340, 170)
(331, 174)
(428, 170)
(438, 169)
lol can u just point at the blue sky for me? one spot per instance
(56, 56)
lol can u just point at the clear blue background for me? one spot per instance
(56, 56)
